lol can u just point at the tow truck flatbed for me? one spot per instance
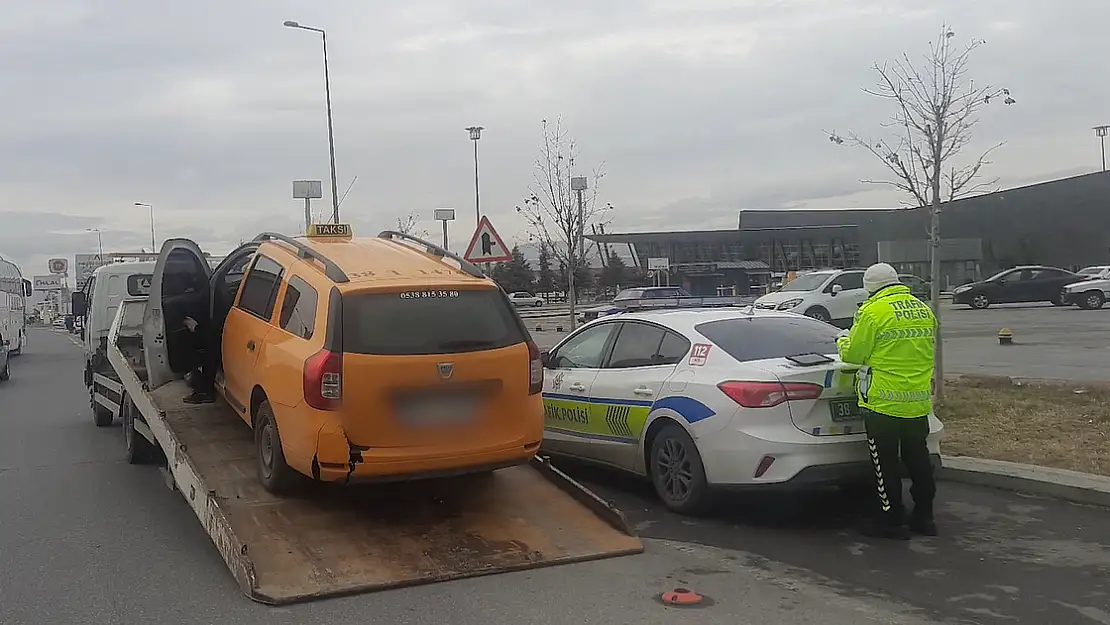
(337, 540)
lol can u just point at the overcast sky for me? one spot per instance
(209, 109)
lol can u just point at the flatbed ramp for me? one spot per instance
(345, 540)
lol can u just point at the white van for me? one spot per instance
(96, 305)
(14, 291)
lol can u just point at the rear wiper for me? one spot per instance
(464, 343)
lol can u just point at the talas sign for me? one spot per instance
(486, 246)
(47, 283)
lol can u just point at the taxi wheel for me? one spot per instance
(274, 473)
(677, 471)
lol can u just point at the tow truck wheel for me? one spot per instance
(677, 471)
(274, 473)
(139, 449)
(6, 373)
(102, 417)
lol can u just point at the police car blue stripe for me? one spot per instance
(687, 407)
(597, 400)
(829, 378)
(591, 436)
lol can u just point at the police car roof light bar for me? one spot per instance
(331, 270)
(435, 250)
(682, 302)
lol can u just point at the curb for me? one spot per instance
(1070, 486)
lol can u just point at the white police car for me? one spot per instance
(709, 398)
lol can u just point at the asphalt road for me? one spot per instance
(1049, 342)
(86, 538)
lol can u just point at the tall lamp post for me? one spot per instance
(153, 249)
(1100, 132)
(578, 184)
(331, 130)
(99, 241)
(475, 135)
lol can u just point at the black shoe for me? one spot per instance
(200, 398)
(883, 529)
(923, 526)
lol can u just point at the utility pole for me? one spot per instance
(1100, 132)
(475, 135)
(575, 251)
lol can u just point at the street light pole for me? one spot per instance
(475, 135)
(153, 249)
(575, 251)
(331, 127)
(99, 241)
(1100, 132)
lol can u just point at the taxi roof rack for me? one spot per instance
(654, 303)
(435, 250)
(331, 270)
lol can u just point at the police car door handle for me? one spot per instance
(576, 387)
(643, 390)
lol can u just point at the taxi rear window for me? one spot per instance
(429, 322)
(758, 338)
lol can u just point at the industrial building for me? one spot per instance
(1064, 223)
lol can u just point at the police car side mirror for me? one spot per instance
(545, 359)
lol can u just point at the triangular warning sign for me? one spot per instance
(486, 246)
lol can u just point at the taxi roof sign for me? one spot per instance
(330, 231)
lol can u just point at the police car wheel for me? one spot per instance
(677, 471)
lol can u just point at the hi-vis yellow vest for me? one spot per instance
(893, 339)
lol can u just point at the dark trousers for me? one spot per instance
(208, 360)
(894, 441)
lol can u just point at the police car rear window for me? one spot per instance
(759, 338)
(429, 322)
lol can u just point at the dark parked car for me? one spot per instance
(1031, 283)
(919, 288)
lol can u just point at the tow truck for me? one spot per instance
(344, 540)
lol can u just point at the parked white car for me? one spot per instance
(829, 295)
(1091, 293)
(524, 298)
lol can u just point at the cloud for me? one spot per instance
(208, 110)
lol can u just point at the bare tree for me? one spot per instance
(408, 225)
(556, 216)
(936, 106)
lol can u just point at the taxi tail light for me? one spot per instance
(769, 394)
(323, 380)
(535, 369)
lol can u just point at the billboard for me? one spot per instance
(47, 283)
(86, 264)
(58, 265)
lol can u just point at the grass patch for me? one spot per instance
(1052, 425)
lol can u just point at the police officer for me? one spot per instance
(892, 339)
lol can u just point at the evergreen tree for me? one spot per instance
(517, 275)
(615, 274)
(546, 279)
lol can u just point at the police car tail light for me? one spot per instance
(535, 369)
(768, 394)
(323, 380)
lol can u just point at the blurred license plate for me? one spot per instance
(844, 410)
(436, 411)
